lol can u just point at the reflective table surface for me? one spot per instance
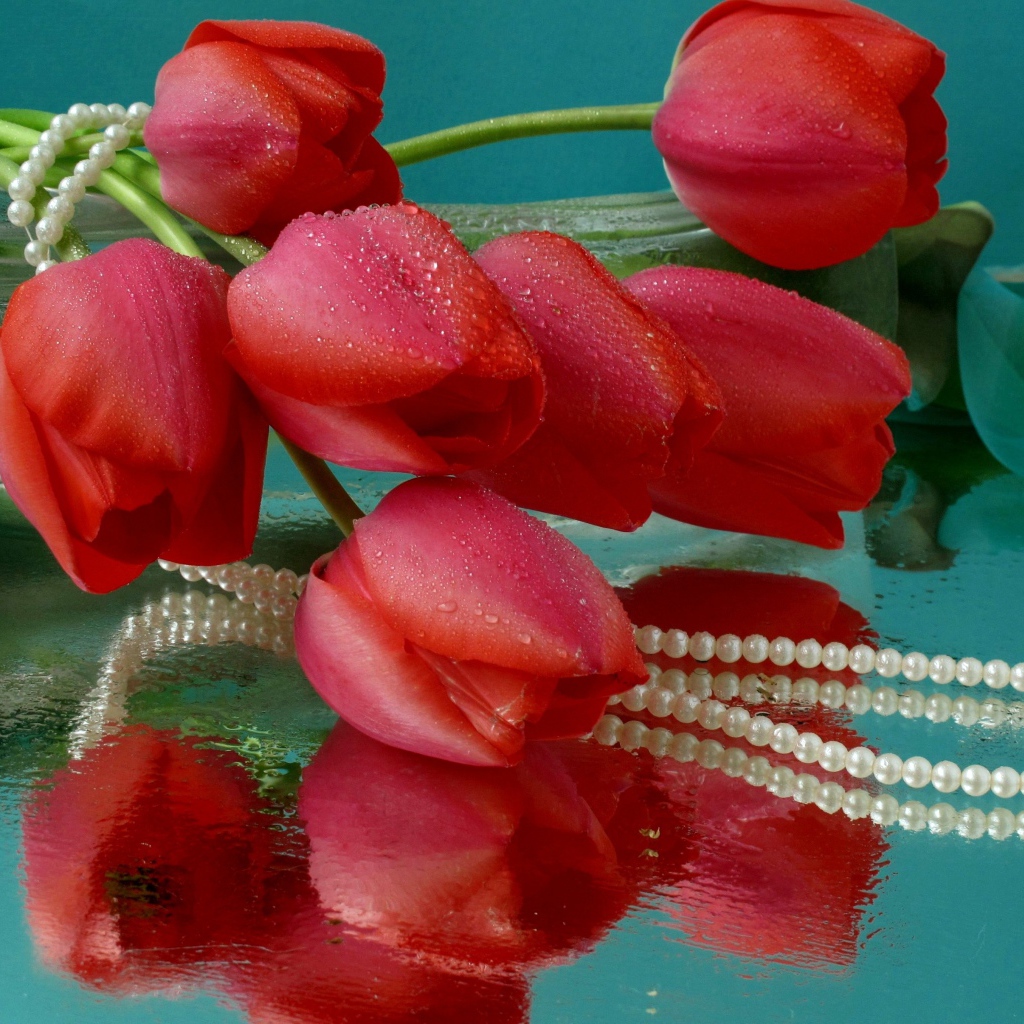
(188, 834)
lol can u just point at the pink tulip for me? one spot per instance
(373, 340)
(625, 400)
(805, 393)
(124, 435)
(455, 625)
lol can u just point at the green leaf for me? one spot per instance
(934, 260)
(629, 233)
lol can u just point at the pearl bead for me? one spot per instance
(103, 153)
(782, 781)
(782, 689)
(759, 731)
(136, 115)
(832, 694)
(63, 125)
(857, 804)
(885, 810)
(805, 789)
(49, 230)
(942, 669)
(807, 747)
(673, 680)
(728, 648)
(20, 213)
(862, 659)
(675, 643)
(726, 686)
(632, 737)
(733, 763)
(702, 646)
(973, 823)
(60, 208)
(911, 704)
(755, 648)
(917, 772)
(44, 153)
(888, 769)
(36, 252)
(784, 737)
(34, 171)
(942, 819)
(829, 797)
(884, 701)
(701, 683)
(88, 171)
(915, 667)
(734, 723)
(888, 662)
(858, 699)
(1005, 782)
(285, 581)
(1001, 823)
(657, 740)
(808, 654)
(46, 265)
(21, 188)
(805, 691)
(860, 762)
(996, 674)
(117, 113)
(648, 639)
(80, 115)
(975, 780)
(946, 776)
(73, 187)
(709, 753)
(938, 708)
(246, 590)
(117, 135)
(966, 711)
(913, 816)
(992, 712)
(969, 671)
(752, 689)
(659, 702)
(832, 756)
(757, 770)
(835, 656)
(711, 714)
(782, 651)
(683, 747)
(1017, 676)
(632, 700)
(52, 139)
(100, 114)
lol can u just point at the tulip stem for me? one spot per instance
(324, 484)
(521, 126)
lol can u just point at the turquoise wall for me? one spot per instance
(453, 62)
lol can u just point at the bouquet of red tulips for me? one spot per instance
(138, 382)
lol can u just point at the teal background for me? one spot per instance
(455, 62)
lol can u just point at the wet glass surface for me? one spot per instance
(187, 834)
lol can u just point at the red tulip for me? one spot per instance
(374, 341)
(624, 398)
(257, 122)
(805, 394)
(455, 625)
(124, 435)
(801, 131)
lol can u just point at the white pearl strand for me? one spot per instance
(666, 694)
(191, 618)
(274, 591)
(783, 782)
(117, 124)
(835, 657)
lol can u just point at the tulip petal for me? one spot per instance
(385, 184)
(619, 386)
(220, 107)
(362, 668)
(466, 574)
(139, 377)
(802, 167)
(365, 308)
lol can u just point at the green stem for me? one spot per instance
(520, 126)
(324, 485)
(12, 134)
(78, 146)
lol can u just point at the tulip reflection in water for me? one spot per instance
(413, 889)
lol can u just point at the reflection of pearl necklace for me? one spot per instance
(782, 782)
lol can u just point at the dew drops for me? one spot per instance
(525, 638)
(447, 606)
(491, 620)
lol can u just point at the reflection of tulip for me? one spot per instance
(805, 394)
(257, 122)
(453, 624)
(374, 341)
(624, 400)
(124, 436)
(802, 130)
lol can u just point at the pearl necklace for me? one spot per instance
(117, 124)
(783, 782)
